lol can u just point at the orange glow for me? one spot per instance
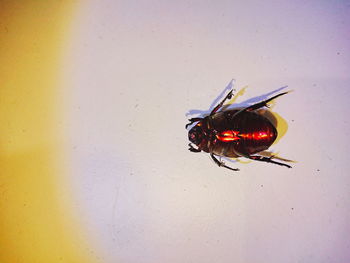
(255, 135)
(229, 136)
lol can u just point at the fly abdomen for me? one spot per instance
(258, 138)
(256, 133)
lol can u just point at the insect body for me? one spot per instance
(234, 133)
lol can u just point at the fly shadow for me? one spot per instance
(243, 104)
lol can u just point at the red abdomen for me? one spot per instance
(246, 134)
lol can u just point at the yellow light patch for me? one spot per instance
(36, 224)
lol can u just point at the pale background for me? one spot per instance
(133, 70)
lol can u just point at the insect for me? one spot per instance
(234, 133)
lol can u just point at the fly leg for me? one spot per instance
(222, 164)
(217, 107)
(258, 105)
(192, 149)
(192, 120)
(266, 159)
